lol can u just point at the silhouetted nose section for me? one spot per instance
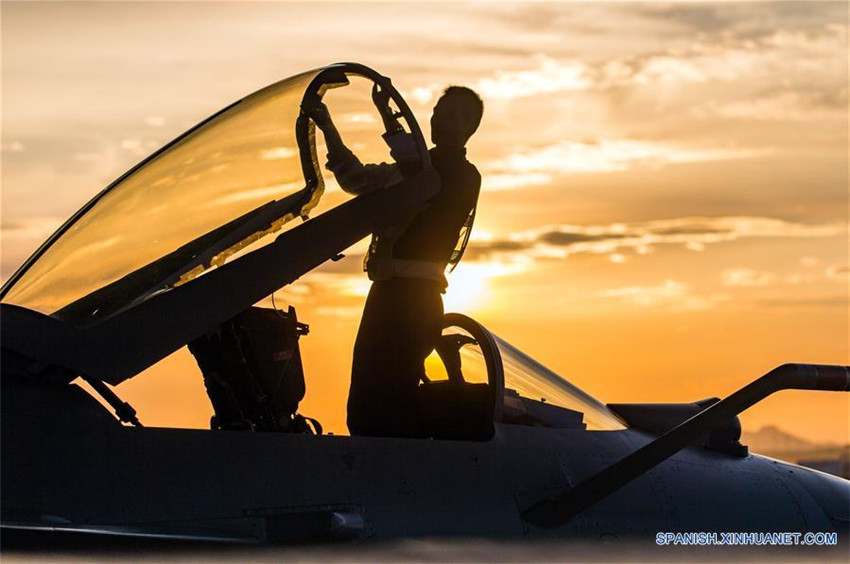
(831, 494)
(561, 509)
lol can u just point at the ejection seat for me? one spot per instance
(253, 374)
(457, 401)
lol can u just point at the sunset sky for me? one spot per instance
(664, 210)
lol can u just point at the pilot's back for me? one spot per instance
(433, 233)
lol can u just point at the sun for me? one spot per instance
(467, 289)
(470, 284)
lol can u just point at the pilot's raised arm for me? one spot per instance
(353, 176)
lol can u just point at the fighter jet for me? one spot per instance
(180, 249)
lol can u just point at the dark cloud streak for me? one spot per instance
(693, 233)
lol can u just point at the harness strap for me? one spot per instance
(385, 269)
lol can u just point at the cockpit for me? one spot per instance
(474, 379)
(228, 213)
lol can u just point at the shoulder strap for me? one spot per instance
(463, 239)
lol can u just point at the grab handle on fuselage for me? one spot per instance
(559, 510)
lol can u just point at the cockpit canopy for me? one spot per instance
(222, 191)
(235, 162)
(219, 189)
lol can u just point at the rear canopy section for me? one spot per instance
(474, 367)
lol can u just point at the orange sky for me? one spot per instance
(664, 210)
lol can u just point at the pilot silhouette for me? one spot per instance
(402, 318)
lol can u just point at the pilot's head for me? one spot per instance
(456, 117)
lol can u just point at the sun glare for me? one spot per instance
(470, 284)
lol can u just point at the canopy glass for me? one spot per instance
(525, 391)
(239, 159)
(214, 193)
(534, 390)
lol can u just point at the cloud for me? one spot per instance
(278, 153)
(617, 258)
(484, 250)
(20, 237)
(134, 146)
(155, 121)
(838, 272)
(703, 62)
(424, 94)
(90, 157)
(798, 278)
(732, 55)
(785, 106)
(351, 312)
(761, 49)
(702, 45)
(348, 285)
(746, 24)
(828, 303)
(511, 181)
(745, 277)
(669, 294)
(741, 20)
(756, 62)
(261, 194)
(567, 238)
(12, 147)
(30, 228)
(692, 18)
(667, 69)
(695, 233)
(360, 117)
(548, 77)
(531, 166)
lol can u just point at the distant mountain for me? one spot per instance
(774, 439)
(774, 442)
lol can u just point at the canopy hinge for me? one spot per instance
(123, 410)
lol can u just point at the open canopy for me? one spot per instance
(236, 161)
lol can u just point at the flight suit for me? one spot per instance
(402, 318)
